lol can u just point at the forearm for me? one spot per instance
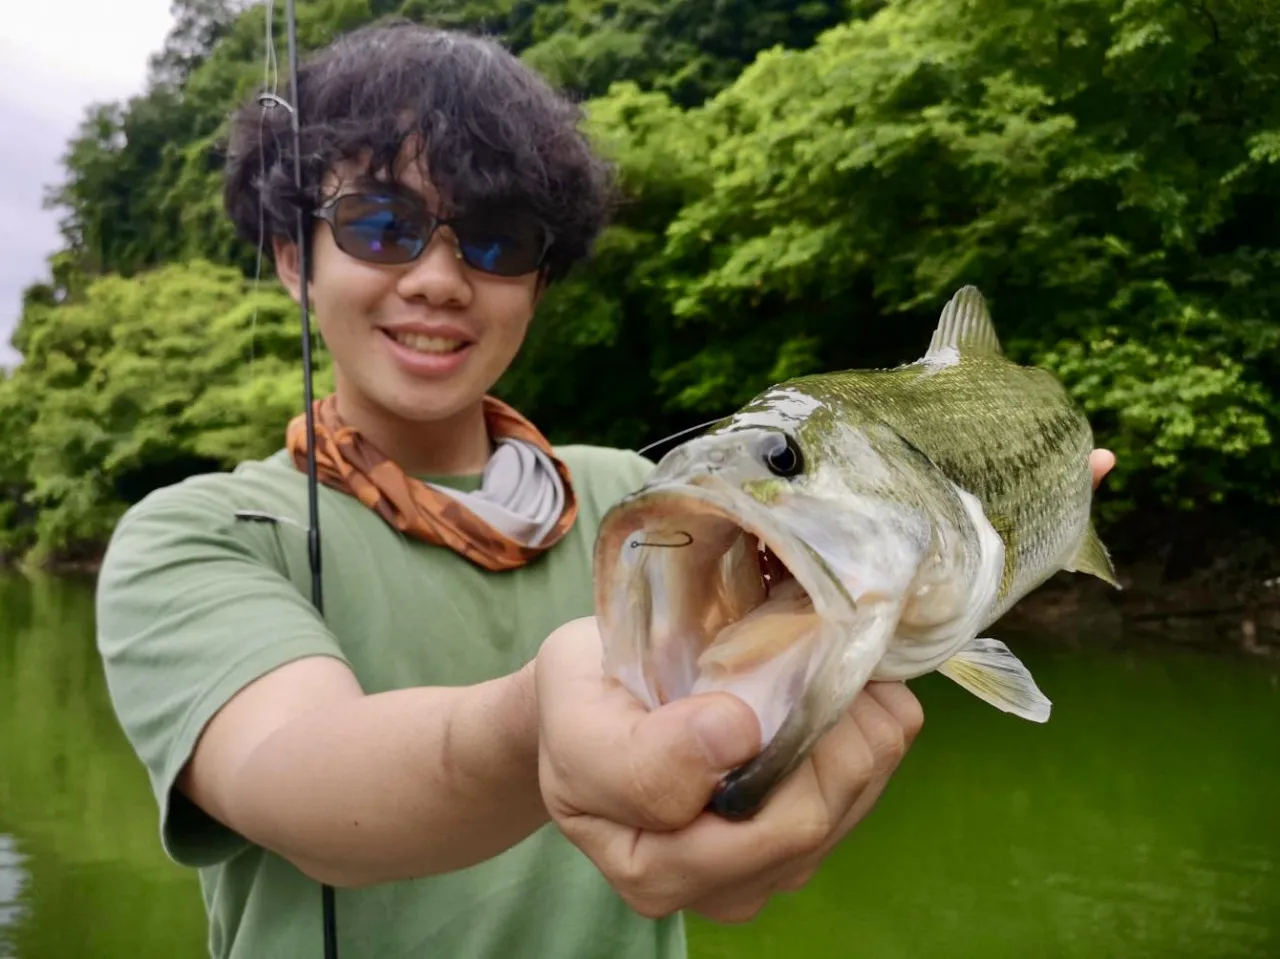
(396, 785)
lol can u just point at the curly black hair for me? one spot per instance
(493, 130)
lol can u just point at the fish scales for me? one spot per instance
(1001, 431)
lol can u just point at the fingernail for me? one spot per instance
(722, 735)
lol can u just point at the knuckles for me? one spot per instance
(910, 714)
(808, 834)
(804, 832)
(891, 731)
(644, 889)
(888, 742)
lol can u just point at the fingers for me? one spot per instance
(904, 714)
(727, 870)
(888, 718)
(629, 786)
(901, 703)
(851, 768)
(606, 755)
(1100, 462)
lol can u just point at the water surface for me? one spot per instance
(1142, 821)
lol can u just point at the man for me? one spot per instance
(441, 746)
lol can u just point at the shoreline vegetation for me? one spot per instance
(1200, 581)
(1226, 600)
(802, 187)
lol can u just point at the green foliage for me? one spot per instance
(1105, 172)
(142, 381)
(806, 184)
(686, 48)
(1181, 403)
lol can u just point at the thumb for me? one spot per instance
(677, 755)
(645, 769)
(602, 753)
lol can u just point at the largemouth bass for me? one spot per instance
(848, 527)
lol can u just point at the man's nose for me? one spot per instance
(439, 275)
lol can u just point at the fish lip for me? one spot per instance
(831, 599)
(628, 650)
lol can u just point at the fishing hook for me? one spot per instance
(688, 541)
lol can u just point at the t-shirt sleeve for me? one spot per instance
(627, 467)
(634, 467)
(192, 606)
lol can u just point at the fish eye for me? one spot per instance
(783, 456)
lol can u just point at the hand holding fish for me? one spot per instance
(630, 787)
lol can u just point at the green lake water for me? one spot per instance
(1142, 821)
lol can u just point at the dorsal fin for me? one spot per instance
(964, 329)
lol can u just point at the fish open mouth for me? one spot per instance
(698, 592)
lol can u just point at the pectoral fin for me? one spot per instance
(988, 670)
(1092, 558)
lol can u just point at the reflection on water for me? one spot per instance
(76, 798)
(1142, 821)
(12, 878)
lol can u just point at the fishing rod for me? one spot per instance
(328, 907)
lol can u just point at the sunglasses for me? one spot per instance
(392, 229)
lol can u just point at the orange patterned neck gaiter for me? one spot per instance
(347, 462)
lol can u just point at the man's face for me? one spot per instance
(413, 342)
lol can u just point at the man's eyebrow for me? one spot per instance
(368, 183)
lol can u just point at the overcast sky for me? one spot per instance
(56, 58)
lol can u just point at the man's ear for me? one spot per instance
(285, 254)
(540, 288)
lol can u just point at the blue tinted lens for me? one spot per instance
(380, 229)
(383, 228)
(488, 253)
(499, 242)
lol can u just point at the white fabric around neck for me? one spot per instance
(520, 493)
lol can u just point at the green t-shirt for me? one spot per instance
(194, 603)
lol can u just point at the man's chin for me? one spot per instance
(432, 405)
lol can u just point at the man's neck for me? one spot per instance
(454, 446)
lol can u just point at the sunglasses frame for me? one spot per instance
(328, 212)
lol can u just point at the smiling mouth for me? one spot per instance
(432, 345)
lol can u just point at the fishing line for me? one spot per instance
(684, 432)
(270, 98)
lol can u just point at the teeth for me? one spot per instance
(427, 344)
